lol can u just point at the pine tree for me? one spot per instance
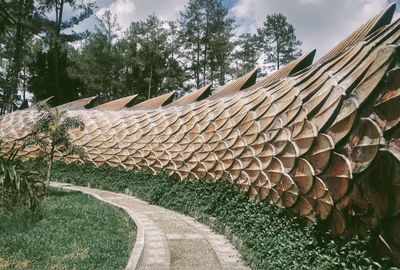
(206, 32)
(174, 71)
(246, 56)
(98, 65)
(150, 50)
(277, 40)
(58, 36)
(18, 19)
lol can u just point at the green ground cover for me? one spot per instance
(74, 231)
(271, 239)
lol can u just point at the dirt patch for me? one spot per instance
(19, 264)
(80, 253)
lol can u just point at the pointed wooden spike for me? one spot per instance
(79, 104)
(295, 66)
(155, 102)
(239, 84)
(194, 96)
(383, 18)
(45, 100)
(116, 105)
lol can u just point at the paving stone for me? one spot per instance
(176, 236)
(154, 260)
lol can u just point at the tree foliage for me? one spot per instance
(98, 65)
(50, 76)
(247, 55)
(42, 54)
(20, 190)
(51, 133)
(277, 40)
(19, 23)
(206, 32)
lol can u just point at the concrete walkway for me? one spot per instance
(167, 240)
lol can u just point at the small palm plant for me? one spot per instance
(51, 133)
(19, 188)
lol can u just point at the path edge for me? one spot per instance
(137, 251)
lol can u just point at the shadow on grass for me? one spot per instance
(23, 220)
(56, 192)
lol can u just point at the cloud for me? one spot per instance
(123, 9)
(128, 11)
(319, 24)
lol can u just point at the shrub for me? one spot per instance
(51, 132)
(20, 191)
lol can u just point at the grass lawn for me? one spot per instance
(75, 232)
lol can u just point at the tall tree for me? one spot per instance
(277, 40)
(59, 34)
(174, 72)
(98, 65)
(246, 55)
(206, 32)
(42, 82)
(19, 19)
(6, 19)
(151, 53)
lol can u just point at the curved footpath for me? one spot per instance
(167, 240)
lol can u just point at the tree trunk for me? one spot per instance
(16, 67)
(151, 77)
(50, 165)
(57, 47)
(277, 61)
(197, 71)
(205, 64)
(278, 49)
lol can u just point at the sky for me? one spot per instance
(319, 24)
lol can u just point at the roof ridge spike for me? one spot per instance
(44, 101)
(194, 96)
(155, 102)
(381, 19)
(293, 67)
(235, 86)
(117, 104)
(79, 104)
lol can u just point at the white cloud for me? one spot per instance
(135, 10)
(319, 24)
(123, 9)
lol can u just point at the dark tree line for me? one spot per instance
(41, 55)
